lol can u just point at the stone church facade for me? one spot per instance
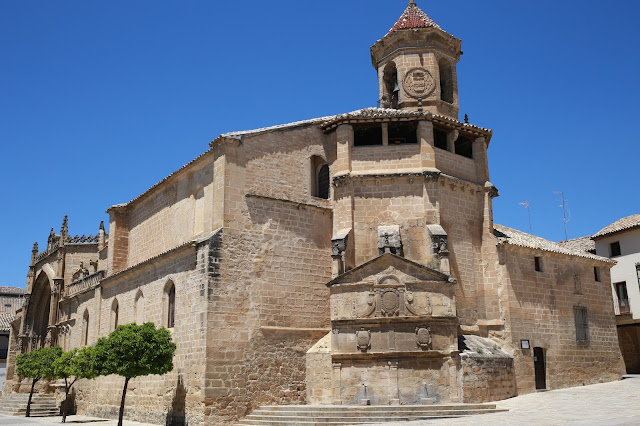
(349, 259)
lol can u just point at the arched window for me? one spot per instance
(320, 178)
(323, 182)
(85, 328)
(138, 308)
(446, 81)
(391, 86)
(170, 297)
(114, 314)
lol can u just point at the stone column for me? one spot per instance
(479, 149)
(427, 152)
(344, 142)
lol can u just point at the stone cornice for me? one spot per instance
(411, 176)
(317, 205)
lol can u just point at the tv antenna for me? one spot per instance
(564, 212)
(526, 204)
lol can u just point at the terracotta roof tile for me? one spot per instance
(514, 237)
(11, 290)
(412, 18)
(5, 321)
(585, 244)
(623, 224)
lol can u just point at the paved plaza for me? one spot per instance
(614, 403)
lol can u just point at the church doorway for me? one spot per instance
(540, 369)
(38, 316)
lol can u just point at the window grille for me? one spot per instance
(582, 324)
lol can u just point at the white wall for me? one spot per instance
(625, 270)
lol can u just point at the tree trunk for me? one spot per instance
(33, 385)
(66, 400)
(124, 394)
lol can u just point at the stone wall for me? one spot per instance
(171, 214)
(386, 159)
(486, 378)
(268, 302)
(319, 370)
(540, 308)
(461, 216)
(154, 399)
(456, 165)
(76, 254)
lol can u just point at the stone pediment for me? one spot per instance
(391, 286)
(389, 269)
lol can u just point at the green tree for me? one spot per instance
(133, 350)
(37, 364)
(75, 363)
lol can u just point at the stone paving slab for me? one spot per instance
(6, 420)
(613, 403)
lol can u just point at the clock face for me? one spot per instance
(419, 83)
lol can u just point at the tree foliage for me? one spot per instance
(76, 364)
(133, 350)
(36, 365)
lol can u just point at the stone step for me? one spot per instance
(41, 405)
(372, 408)
(344, 422)
(356, 415)
(324, 415)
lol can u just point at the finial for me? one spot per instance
(466, 118)
(65, 226)
(412, 2)
(35, 248)
(101, 225)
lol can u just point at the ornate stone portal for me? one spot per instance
(394, 330)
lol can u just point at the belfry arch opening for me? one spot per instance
(320, 178)
(446, 81)
(39, 308)
(391, 86)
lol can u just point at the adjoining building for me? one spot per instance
(621, 242)
(11, 299)
(337, 260)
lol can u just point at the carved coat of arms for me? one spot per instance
(363, 339)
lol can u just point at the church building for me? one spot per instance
(349, 259)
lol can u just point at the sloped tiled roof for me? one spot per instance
(382, 113)
(585, 244)
(413, 17)
(5, 321)
(623, 224)
(11, 290)
(506, 235)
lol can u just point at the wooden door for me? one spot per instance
(540, 370)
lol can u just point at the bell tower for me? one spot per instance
(416, 63)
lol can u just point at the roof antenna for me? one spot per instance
(526, 204)
(564, 212)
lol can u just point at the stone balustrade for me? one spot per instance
(84, 283)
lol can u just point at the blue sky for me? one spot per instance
(100, 100)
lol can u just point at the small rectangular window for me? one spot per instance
(582, 324)
(440, 139)
(596, 273)
(404, 132)
(538, 263)
(367, 134)
(623, 297)
(615, 249)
